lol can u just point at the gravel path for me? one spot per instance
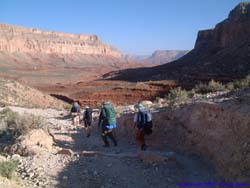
(123, 166)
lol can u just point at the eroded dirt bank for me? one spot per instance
(218, 132)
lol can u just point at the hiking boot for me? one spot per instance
(106, 145)
(88, 135)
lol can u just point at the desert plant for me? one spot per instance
(212, 86)
(191, 93)
(242, 83)
(230, 86)
(28, 122)
(8, 116)
(177, 96)
(216, 86)
(7, 168)
(13, 124)
(67, 107)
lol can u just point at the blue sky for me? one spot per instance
(133, 26)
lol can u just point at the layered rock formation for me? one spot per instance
(231, 32)
(40, 57)
(20, 39)
(221, 53)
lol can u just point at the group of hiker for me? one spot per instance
(107, 122)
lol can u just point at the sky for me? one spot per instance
(133, 26)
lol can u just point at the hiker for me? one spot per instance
(87, 119)
(143, 124)
(107, 121)
(75, 113)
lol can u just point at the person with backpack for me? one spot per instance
(107, 121)
(143, 124)
(87, 119)
(75, 113)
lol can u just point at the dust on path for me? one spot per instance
(124, 166)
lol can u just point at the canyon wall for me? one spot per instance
(25, 40)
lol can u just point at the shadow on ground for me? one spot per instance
(123, 167)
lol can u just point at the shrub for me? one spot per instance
(14, 125)
(242, 83)
(7, 168)
(28, 122)
(177, 96)
(8, 116)
(67, 107)
(216, 86)
(230, 86)
(212, 86)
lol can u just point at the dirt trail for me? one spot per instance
(121, 166)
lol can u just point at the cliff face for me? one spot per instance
(230, 32)
(221, 53)
(46, 57)
(20, 39)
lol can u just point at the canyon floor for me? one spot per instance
(90, 165)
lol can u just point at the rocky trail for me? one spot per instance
(83, 161)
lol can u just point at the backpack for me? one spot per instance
(109, 114)
(74, 109)
(144, 121)
(88, 114)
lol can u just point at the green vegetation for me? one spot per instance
(212, 86)
(177, 96)
(7, 168)
(67, 107)
(245, 82)
(12, 125)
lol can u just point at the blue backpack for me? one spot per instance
(144, 123)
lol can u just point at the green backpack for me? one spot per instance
(110, 114)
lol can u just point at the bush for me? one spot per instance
(67, 107)
(242, 83)
(212, 86)
(177, 96)
(12, 125)
(7, 168)
(230, 86)
(8, 116)
(28, 122)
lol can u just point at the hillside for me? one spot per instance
(158, 57)
(221, 53)
(165, 56)
(16, 94)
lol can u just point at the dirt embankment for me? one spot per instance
(218, 132)
(16, 94)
